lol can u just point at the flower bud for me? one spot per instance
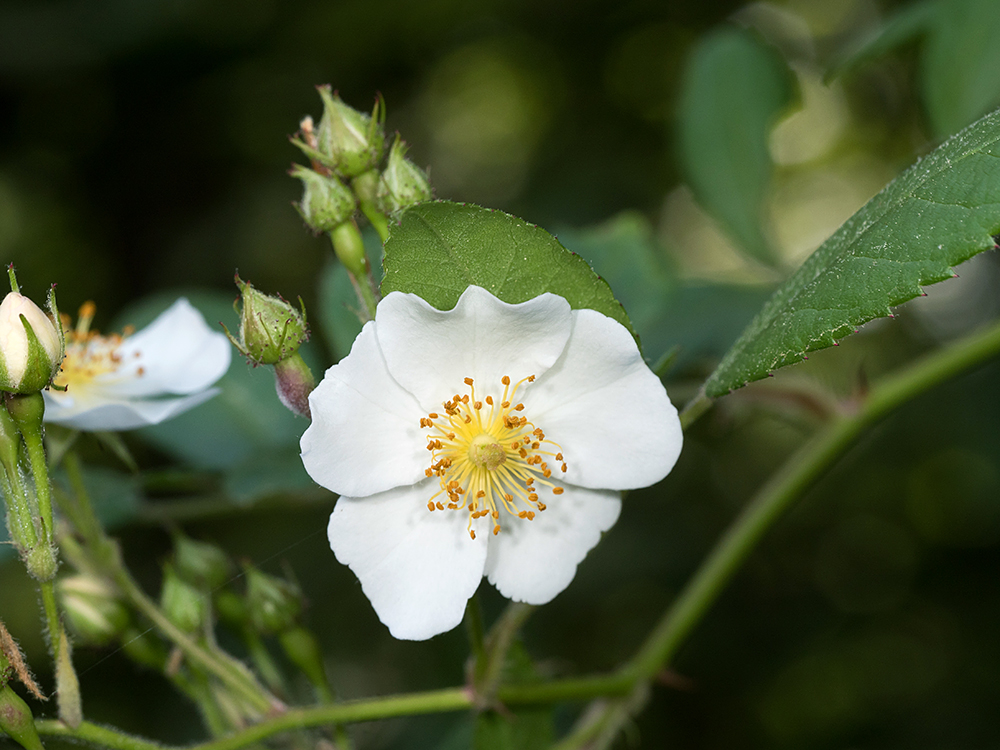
(346, 140)
(16, 720)
(326, 202)
(201, 564)
(402, 183)
(274, 604)
(231, 607)
(181, 602)
(303, 651)
(94, 612)
(31, 345)
(271, 330)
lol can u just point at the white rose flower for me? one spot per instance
(491, 439)
(125, 382)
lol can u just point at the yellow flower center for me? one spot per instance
(487, 456)
(88, 354)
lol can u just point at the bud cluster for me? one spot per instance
(347, 150)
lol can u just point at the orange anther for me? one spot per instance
(557, 490)
(433, 415)
(472, 533)
(496, 529)
(519, 407)
(430, 505)
(563, 467)
(489, 400)
(505, 380)
(531, 515)
(468, 381)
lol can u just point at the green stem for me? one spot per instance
(789, 483)
(694, 409)
(107, 555)
(477, 639)
(40, 471)
(498, 643)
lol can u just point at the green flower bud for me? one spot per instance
(274, 604)
(201, 564)
(271, 330)
(231, 607)
(16, 720)
(346, 140)
(181, 602)
(303, 651)
(93, 609)
(403, 183)
(31, 344)
(326, 202)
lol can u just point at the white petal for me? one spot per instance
(430, 352)
(123, 414)
(418, 568)
(606, 408)
(177, 353)
(365, 435)
(532, 561)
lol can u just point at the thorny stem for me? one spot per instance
(799, 473)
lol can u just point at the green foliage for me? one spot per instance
(941, 211)
(959, 57)
(701, 318)
(439, 249)
(960, 65)
(734, 88)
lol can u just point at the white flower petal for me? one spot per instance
(417, 568)
(532, 561)
(128, 414)
(606, 408)
(365, 435)
(430, 352)
(177, 353)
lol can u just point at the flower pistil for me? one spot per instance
(488, 456)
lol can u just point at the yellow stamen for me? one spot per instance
(488, 460)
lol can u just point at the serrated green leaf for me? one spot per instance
(733, 89)
(960, 64)
(940, 212)
(439, 249)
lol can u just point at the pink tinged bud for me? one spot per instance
(31, 348)
(294, 381)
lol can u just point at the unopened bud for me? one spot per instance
(274, 604)
(303, 651)
(271, 330)
(403, 183)
(201, 564)
(16, 720)
(182, 603)
(31, 344)
(93, 609)
(346, 140)
(231, 607)
(326, 202)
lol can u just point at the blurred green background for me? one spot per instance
(143, 150)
